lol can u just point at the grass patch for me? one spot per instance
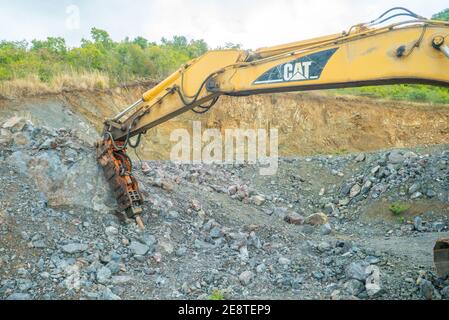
(32, 85)
(399, 208)
(217, 295)
(341, 152)
(407, 92)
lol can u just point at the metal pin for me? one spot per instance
(140, 222)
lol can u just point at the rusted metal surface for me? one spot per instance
(441, 257)
(117, 168)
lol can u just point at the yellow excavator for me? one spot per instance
(412, 51)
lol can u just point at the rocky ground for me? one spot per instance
(321, 228)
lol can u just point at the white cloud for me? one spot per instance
(253, 23)
(256, 23)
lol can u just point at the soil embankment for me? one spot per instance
(308, 123)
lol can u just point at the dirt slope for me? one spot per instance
(308, 123)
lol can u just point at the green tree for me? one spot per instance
(141, 42)
(443, 15)
(178, 42)
(101, 37)
(53, 45)
(89, 57)
(230, 45)
(197, 48)
(14, 45)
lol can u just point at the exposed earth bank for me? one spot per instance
(308, 123)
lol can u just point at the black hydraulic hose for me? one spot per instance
(409, 13)
(206, 108)
(392, 17)
(134, 146)
(405, 13)
(195, 99)
(113, 141)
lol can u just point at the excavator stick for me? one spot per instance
(441, 257)
(117, 167)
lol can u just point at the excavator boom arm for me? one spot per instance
(409, 52)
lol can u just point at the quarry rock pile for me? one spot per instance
(319, 229)
(61, 164)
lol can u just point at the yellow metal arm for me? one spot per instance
(409, 52)
(397, 54)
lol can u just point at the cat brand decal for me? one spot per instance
(306, 68)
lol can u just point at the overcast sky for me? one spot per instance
(252, 23)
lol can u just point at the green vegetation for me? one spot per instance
(49, 66)
(341, 152)
(418, 93)
(398, 208)
(443, 15)
(120, 61)
(216, 295)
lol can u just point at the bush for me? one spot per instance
(398, 208)
(419, 93)
(443, 15)
(122, 61)
(216, 295)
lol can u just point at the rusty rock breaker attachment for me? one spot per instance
(117, 167)
(441, 257)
